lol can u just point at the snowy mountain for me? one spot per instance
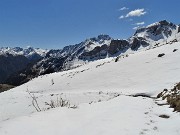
(153, 33)
(58, 60)
(157, 31)
(29, 52)
(104, 97)
(73, 53)
(100, 47)
(14, 60)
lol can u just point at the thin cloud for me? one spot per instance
(123, 8)
(135, 28)
(140, 23)
(121, 17)
(130, 20)
(136, 13)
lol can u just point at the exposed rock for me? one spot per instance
(100, 38)
(137, 42)
(172, 96)
(96, 52)
(164, 22)
(160, 55)
(141, 95)
(117, 45)
(175, 50)
(163, 27)
(117, 59)
(104, 47)
(164, 116)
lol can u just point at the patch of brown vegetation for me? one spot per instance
(172, 96)
(5, 87)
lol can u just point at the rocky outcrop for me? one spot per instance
(117, 45)
(179, 28)
(172, 97)
(137, 42)
(98, 51)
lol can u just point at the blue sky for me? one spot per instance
(56, 23)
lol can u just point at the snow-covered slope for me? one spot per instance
(123, 115)
(88, 87)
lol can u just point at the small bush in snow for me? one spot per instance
(34, 101)
(52, 81)
(59, 102)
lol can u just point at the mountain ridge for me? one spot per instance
(95, 48)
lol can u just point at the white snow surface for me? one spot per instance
(94, 88)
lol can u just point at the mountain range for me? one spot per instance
(19, 65)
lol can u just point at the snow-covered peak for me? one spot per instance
(100, 38)
(87, 45)
(162, 23)
(28, 52)
(157, 31)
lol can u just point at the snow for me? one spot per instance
(90, 47)
(111, 117)
(153, 24)
(94, 87)
(149, 36)
(136, 73)
(27, 52)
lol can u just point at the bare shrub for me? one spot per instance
(59, 102)
(34, 101)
